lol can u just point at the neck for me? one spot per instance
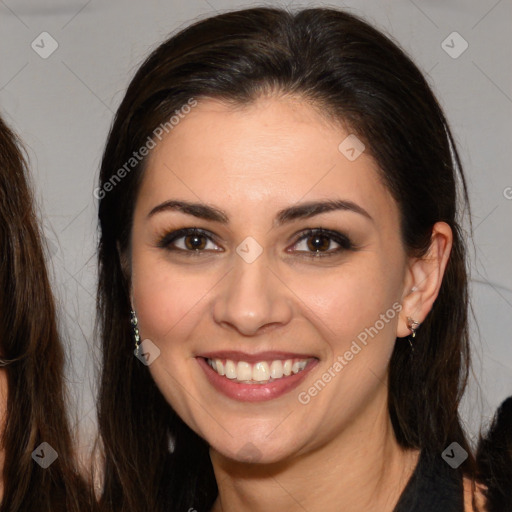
(362, 468)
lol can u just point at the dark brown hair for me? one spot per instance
(33, 356)
(357, 76)
(494, 456)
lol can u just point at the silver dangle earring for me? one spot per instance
(413, 327)
(135, 326)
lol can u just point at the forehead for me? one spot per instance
(277, 150)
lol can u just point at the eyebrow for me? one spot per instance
(299, 211)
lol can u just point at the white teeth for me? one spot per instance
(230, 369)
(243, 371)
(298, 366)
(276, 369)
(261, 372)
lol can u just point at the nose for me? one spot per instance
(252, 299)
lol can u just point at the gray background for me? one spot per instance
(62, 106)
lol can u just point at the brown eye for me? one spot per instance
(188, 241)
(318, 243)
(195, 242)
(322, 242)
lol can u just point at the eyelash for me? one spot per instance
(166, 241)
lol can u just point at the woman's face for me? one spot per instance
(252, 292)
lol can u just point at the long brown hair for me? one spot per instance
(353, 74)
(494, 456)
(32, 354)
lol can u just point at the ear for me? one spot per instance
(424, 277)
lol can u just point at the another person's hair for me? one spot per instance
(356, 76)
(494, 457)
(31, 355)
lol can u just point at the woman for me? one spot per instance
(38, 470)
(280, 249)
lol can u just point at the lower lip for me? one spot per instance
(254, 392)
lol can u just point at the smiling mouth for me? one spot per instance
(262, 372)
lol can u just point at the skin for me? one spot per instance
(337, 452)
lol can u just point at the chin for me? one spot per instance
(256, 450)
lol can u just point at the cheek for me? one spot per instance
(168, 305)
(356, 311)
(167, 300)
(352, 298)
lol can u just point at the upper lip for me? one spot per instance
(270, 355)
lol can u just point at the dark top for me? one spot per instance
(433, 487)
